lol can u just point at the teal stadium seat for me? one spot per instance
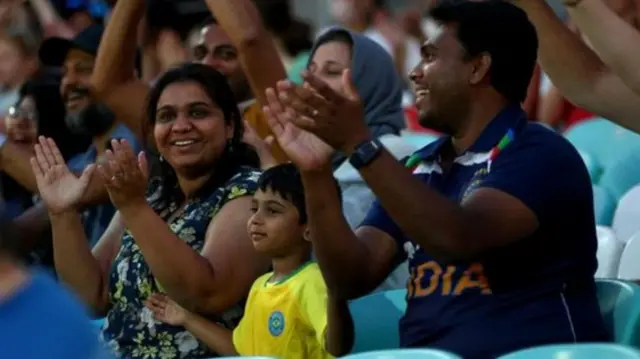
(622, 174)
(418, 139)
(604, 206)
(620, 307)
(376, 318)
(404, 354)
(603, 140)
(577, 351)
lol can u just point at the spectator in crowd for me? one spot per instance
(39, 111)
(372, 18)
(501, 248)
(607, 89)
(125, 95)
(304, 321)
(40, 319)
(18, 62)
(86, 117)
(292, 37)
(187, 239)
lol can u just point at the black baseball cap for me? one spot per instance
(54, 50)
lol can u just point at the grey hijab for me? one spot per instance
(377, 82)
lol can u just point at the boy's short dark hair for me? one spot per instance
(285, 180)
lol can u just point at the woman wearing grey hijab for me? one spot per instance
(380, 89)
(374, 76)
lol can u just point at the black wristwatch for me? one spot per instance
(365, 153)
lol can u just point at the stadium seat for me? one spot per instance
(576, 351)
(604, 206)
(622, 174)
(609, 253)
(620, 307)
(376, 318)
(625, 219)
(629, 268)
(404, 354)
(603, 140)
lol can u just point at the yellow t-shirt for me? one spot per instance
(285, 319)
(253, 114)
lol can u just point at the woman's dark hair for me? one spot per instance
(237, 154)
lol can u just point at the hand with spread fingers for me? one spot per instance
(125, 175)
(166, 310)
(336, 117)
(60, 189)
(306, 150)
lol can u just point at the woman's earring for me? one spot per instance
(161, 159)
(230, 145)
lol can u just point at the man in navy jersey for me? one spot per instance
(496, 218)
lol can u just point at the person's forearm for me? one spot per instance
(258, 54)
(611, 37)
(441, 226)
(75, 263)
(33, 225)
(217, 338)
(115, 61)
(113, 81)
(560, 49)
(15, 162)
(184, 274)
(342, 257)
(340, 331)
(50, 20)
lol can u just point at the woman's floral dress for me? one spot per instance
(129, 328)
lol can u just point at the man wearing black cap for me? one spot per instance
(84, 116)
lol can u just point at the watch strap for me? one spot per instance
(365, 153)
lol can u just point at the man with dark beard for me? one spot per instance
(84, 116)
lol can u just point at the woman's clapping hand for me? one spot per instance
(125, 175)
(59, 188)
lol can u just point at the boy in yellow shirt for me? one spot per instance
(289, 313)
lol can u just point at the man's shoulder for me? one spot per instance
(537, 141)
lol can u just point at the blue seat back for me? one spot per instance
(376, 318)
(620, 307)
(576, 351)
(404, 354)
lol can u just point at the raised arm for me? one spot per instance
(590, 84)
(49, 19)
(611, 37)
(62, 191)
(113, 80)
(258, 54)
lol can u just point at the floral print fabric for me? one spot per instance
(129, 328)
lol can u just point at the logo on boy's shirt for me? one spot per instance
(276, 323)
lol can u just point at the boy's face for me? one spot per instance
(274, 228)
